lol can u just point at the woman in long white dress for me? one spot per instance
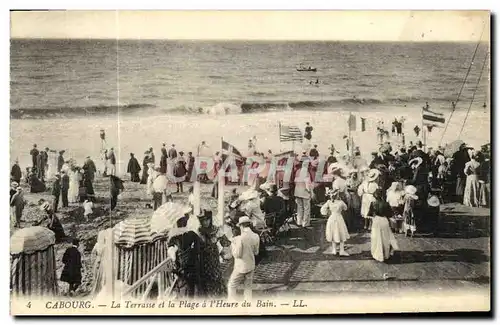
(383, 242)
(336, 230)
(74, 185)
(472, 192)
(52, 164)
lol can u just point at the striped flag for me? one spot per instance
(290, 133)
(432, 118)
(229, 150)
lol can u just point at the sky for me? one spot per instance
(254, 25)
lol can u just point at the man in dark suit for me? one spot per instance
(56, 192)
(34, 154)
(116, 185)
(64, 189)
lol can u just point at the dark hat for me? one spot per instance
(206, 214)
(62, 151)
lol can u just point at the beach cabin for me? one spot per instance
(33, 263)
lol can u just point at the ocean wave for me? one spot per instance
(68, 111)
(222, 108)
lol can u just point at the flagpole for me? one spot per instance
(220, 190)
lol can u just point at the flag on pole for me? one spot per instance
(432, 118)
(352, 122)
(290, 133)
(363, 124)
(229, 150)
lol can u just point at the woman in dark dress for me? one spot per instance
(147, 159)
(72, 271)
(180, 171)
(133, 168)
(213, 284)
(50, 221)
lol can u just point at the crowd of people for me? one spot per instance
(398, 191)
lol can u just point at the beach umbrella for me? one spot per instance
(166, 216)
(32, 239)
(453, 147)
(133, 231)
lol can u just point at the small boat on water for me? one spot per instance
(309, 68)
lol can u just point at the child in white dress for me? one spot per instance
(87, 209)
(395, 198)
(336, 229)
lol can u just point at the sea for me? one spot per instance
(148, 92)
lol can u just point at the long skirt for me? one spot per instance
(382, 239)
(336, 229)
(471, 193)
(353, 218)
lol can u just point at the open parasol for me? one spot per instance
(30, 240)
(453, 147)
(166, 216)
(133, 231)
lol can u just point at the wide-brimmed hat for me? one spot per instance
(410, 189)
(417, 161)
(14, 184)
(394, 186)
(244, 220)
(373, 174)
(332, 191)
(433, 201)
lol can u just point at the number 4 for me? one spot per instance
(29, 304)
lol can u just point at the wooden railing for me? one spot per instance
(161, 275)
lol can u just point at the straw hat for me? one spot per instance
(373, 174)
(410, 189)
(243, 220)
(332, 191)
(433, 201)
(14, 184)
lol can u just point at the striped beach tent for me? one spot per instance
(166, 216)
(431, 118)
(33, 263)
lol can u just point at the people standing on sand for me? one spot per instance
(34, 154)
(472, 192)
(36, 185)
(244, 248)
(190, 166)
(15, 172)
(56, 192)
(133, 169)
(145, 167)
(40, 165)
(111, 162)
(416, 129)
(60, 161)
(51, 163)
(74, 184)
(72, 270)
(163, 160)
(172, 158)
(383, 243)
(89, 168)
(180, 172)
(395, 198)
(152, 155)
(116, 186)
(17, 204)
(64, 188)
(336, 230)
(354, 201)
(308, 131)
